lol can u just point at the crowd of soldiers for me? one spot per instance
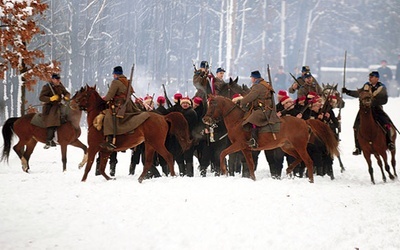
(209, 141)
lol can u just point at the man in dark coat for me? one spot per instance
(380, 95)
(51, 95)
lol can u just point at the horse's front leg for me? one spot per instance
(149, 156)
(250, 162)
(92, 151)
(77, 143)
(367, 157)
(229, 150)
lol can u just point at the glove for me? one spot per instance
(54, 98)
(346, 91)
(66, 98)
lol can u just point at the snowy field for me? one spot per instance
(49, 209)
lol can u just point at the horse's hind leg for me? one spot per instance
(64, 156)
(370, 170)
(378, 159)
(104, 155)
(393, 161)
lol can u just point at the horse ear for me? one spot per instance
(335, 86)
(237, 79)
(323, 85)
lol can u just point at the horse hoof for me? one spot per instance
(140, 180)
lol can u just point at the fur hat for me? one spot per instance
(198, 100)
(204, 65)
(374, 73)
(316, 99)
(118, 70)
(161, 99)
(55, 76)
(305, 69)
(186, 100)
(255, 74)
(286, 99)
(177, 97)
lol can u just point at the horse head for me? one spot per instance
(213, 114)
(365, 97)
(87, 98)
(232, 87)
(331, 90)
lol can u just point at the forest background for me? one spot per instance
(164, 39)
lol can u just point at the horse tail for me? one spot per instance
(7, 137)
(326, 135)
(179, 128)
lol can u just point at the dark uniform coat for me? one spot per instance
(303, 88)
(52, 110)
(261, 106)
(202, 82)
(117, 95)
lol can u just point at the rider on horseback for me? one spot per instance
(119, 90)
(261, 106)
(51, 95)
(380, 95)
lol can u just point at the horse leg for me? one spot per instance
(367, 157)
(393, 161)
(378, 159)
(387, 167)
(250, 162)
(64, 156)
(19, 149)
(91, 154)
(168, 158)
(104, 155)
(149, 154)
(229, 150)
(342, 169)
(303, 153)
(77, 143)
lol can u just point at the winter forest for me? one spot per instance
(165, 38)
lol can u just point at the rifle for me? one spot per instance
(169, 104)
(272, 98)
(194, 66)
(121, 111)
(295, 79)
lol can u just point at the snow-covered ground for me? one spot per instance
(49, 209)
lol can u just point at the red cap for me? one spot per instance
(186, 100)
(286, 99)
(198, 100)
(301, 98)
(177, 97)
(282, 93)
(311, 95)
(161, 99)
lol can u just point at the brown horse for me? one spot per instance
(153, 132)
(293, 136)
(68, 134)
(372, 137)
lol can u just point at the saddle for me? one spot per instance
(37, 119)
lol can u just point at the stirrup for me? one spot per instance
(391, 146)
(252, 143)
(356, 151)
(108, 145)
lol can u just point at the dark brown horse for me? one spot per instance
(232, 87)
(68, 134)
(372, 137)
(153, 132)
(293, 136)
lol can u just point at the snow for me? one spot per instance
(49, 209)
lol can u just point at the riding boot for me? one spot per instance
(182, 169)
(254, 136)
(357, 150)
(189, 169)
(112, 168)
(132, 168)
(108, 144)
(391, 145)
(203, 171)
(97, 166)
(217, 170)
(165, 169)
(245, 170)
(49, 137)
